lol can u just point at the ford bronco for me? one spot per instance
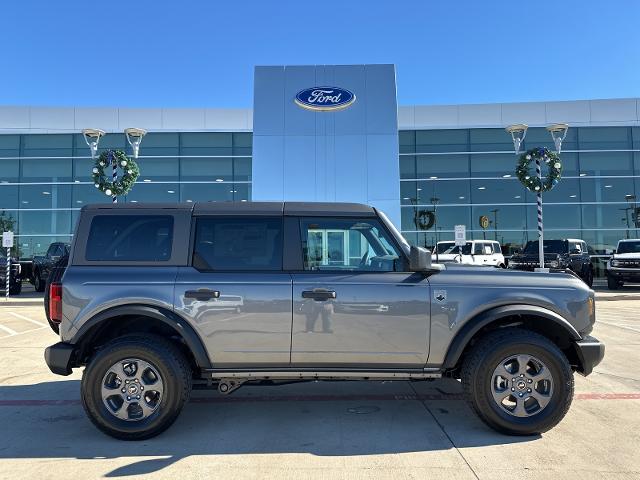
(158, 298)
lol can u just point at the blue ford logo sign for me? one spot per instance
(325, 98)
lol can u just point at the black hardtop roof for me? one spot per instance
(248, 208)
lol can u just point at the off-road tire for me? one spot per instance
(612, 283)
(589, 279)
(488, 352)
(173, 368)
(38, 282)
(16, 288)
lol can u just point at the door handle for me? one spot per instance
(319, 294)
(202, 294)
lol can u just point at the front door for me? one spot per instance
(353, 305)
(236, 294)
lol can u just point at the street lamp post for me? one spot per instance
(558, 133)
(134, 136)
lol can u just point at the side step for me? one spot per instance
(230, 380)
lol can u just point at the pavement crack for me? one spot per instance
(443, 431)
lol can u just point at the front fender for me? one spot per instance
(169, 318)
(473, 326)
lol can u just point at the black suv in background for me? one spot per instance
(42, 265)
(569, 253)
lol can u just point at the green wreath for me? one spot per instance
(424, 219)
(127, 176)
(532, 182)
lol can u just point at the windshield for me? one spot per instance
(550, 246)
(450, 248)
(629, 247)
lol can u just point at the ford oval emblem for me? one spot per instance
(325, 98)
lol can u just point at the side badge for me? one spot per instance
(440, 296)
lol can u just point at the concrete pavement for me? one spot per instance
(319, 430)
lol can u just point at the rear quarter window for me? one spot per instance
(135, 238)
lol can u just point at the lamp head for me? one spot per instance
(92, 137)
(518, 132)
(558, 132)
(134, 137)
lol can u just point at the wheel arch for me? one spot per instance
(535, 318)
(125, 319)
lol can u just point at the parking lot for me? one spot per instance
(319, 430)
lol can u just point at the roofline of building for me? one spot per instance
(600, 112)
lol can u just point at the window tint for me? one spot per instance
(238, 244)
(123, 238)
(352, 245)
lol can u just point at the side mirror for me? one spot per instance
(575, 251)
(517, 251)
(419, 259)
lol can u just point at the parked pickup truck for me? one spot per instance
(328, 291)
(42, 265)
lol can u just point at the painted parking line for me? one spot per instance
(318, 398)
(22, 317)
(16, 334)
(620, 326)
(8, 330)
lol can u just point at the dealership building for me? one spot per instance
(429, 167)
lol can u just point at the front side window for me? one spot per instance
(348, 244)
(238, 244)
(130, 238)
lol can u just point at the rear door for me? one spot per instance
(353, 305)
(235, 292)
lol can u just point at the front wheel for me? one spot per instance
(612, 283)
(589, 279)
(518, 382)
(135, 387)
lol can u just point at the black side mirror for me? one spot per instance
(575, 251)
(419, 259)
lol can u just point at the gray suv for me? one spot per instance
(159, 298)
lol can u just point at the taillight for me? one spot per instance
(55, 302)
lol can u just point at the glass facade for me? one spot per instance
(454, 177)
(46, 178)
(447, 178)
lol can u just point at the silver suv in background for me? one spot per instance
(157, 298)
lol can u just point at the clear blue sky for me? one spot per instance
(202, 53)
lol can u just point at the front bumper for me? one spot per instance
(625, 274)
(590, 353)
(59, 358)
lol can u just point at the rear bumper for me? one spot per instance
(59, 358)
(590, 353)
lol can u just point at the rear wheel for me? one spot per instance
(518, 382)
(38, 282)
(135, 387)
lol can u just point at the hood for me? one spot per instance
(626, 256)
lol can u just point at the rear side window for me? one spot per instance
(130, 238)
(238, 244)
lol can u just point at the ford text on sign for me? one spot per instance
(325, 98)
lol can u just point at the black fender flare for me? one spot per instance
(169, 318)
(474, 325)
